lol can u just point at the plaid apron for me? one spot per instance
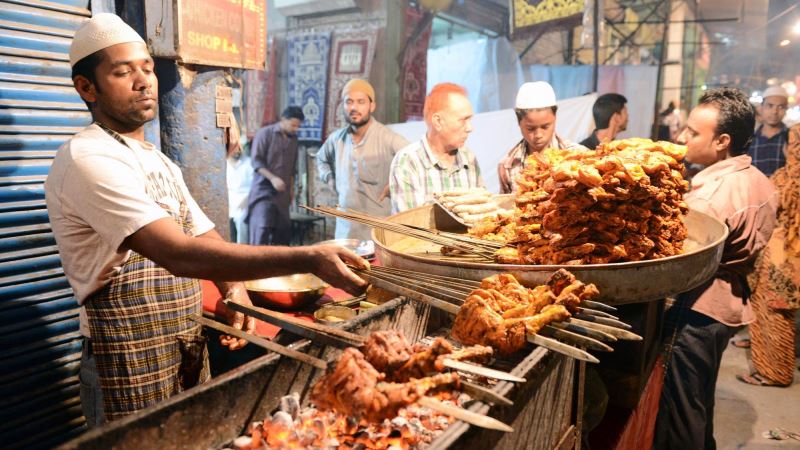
(145, 346)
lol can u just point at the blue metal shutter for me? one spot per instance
(39, 338)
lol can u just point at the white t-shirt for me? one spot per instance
(98, 193)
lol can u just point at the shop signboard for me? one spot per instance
(224, 33)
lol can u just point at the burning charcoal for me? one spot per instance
(308, 438)
(350, 425)
(282, 419)
(308, 414)
(399, 422)
(242, 443)
(290, 404)
(463, 398)
(278, 429)
(318, 425)
(359, 446)
(331, 443)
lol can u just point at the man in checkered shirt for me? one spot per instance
(439, 162)
(768, 146)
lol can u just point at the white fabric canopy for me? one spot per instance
(491, 72)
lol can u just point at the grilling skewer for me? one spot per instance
(572, 330)
(450, 308)
(468, 245)
(458, 290)
(454, 411)
(585, 318)
(340, 338)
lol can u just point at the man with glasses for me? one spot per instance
(768, 146)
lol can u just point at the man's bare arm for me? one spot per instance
(214, 259)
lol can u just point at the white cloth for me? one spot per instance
(488, 68)
(239, 177)
(97, 195)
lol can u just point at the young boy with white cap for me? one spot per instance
(768, 147)
(536, 113)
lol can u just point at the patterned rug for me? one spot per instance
(259, 93)
(273, 57)
(308, 75)
(255, 88)
(415, 67)
(352, 53)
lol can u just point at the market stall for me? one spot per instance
(214, 414)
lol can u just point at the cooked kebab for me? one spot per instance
(502, 312)
(389, 352)
(621, 202)
(356, 389)
(471, 205)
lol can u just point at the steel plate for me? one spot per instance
(619, 283)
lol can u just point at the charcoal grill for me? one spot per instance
(212, 415)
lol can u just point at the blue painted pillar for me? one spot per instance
(189, 134)
(186, 129)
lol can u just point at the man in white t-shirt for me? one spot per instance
(133, 241)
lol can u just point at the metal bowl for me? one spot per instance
(619, 283)
(364, 249)
(287, 292)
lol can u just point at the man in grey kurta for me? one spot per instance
(355, 160)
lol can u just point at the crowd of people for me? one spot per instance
(134, 242)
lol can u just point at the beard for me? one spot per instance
(127, 116)
(357, 123)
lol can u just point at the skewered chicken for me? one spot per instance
(389, 352)
(356, 389)
(502, 312)
(471, 205)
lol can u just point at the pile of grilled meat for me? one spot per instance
(620, 202)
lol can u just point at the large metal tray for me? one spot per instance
(619, 283)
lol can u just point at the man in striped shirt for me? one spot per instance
(768, 147)
(438, 162)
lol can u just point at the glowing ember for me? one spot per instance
(292, 427)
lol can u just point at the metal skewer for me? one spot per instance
(456, 289)
(465, 415)
(261, 342)
(603, 321)
(477, 247)
(574, 338)
(616, 332)
(542, 341)
(340, 338)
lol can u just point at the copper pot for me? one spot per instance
(287, 292)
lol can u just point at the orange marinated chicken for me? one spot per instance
(502, 312)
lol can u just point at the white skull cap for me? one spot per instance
(536, 94)
(101, 31)
(775, 91)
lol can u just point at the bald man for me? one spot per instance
(440, 161)
(355, 159)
